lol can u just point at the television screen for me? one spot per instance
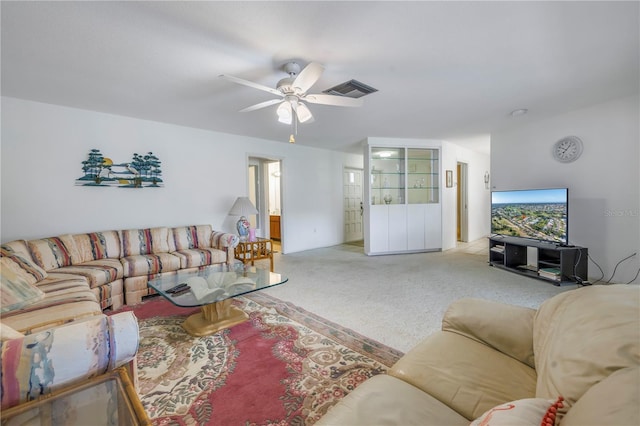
(539, 214)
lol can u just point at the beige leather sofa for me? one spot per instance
(574, 361)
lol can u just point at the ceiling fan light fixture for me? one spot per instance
(284, 113)
(303, 113)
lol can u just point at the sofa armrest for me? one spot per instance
(225, 241)
(506, 328)
(40, 363)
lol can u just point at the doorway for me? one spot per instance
(352, 205)
(265, 191)
(462, 204)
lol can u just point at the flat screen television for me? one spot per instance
(538, 214)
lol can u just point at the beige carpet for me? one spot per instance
(399, 299)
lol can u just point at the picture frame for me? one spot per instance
(449, 178)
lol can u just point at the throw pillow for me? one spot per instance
(523, 412)
(32, 272)
(55, 252)
(16, 291)
(145, 241)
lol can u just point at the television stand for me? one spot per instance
(555, 263)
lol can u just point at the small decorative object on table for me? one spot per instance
(243, 207)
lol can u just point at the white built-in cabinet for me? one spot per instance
(402, 199)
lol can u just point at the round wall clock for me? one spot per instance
(567, 149)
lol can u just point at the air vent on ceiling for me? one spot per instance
(351, 89)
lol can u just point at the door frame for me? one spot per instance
(263, 190)
(462, 202)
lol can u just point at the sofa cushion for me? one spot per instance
(507, 328)
(66, 298)
(149, 264)
(16, 287)
(613, 401)
(384, 400)
(32, 272)
(99, 245)
(54, 252)
(200, 257)
(192, 237)
(468, 376)
(145, 241)
(17, 247)
(96, 272)
(582, 336)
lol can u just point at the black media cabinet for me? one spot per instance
(546, 261)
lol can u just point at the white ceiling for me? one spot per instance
(444, 70)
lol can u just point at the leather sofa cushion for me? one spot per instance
(507, 328)
(613, 401)
(468, 376)
(582, 336)
(385, 400)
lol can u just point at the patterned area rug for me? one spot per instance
(285, 366)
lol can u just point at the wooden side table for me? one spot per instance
(250, 251)
(109, 399)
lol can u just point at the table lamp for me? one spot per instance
(243, 207)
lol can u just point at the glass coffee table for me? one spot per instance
(212, 288)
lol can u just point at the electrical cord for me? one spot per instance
(618, 264)
(601, 271)
(614, 270)
(634, 278)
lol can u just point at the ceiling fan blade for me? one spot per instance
(303, 113)
(333, 100)
(308, 77)
(261, 105)
(251, 84)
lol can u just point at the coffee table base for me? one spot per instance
(213, 318)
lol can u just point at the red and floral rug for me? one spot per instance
(285, 366)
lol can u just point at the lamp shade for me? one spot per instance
(243, 207)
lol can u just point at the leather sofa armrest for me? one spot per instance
(506, 328)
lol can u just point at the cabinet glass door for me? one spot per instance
(423, 176)
(387, 175)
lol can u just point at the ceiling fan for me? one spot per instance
(292, 93)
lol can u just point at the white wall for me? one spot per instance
(604, 207)
(43, 146)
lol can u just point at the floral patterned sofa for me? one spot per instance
(51, 281)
